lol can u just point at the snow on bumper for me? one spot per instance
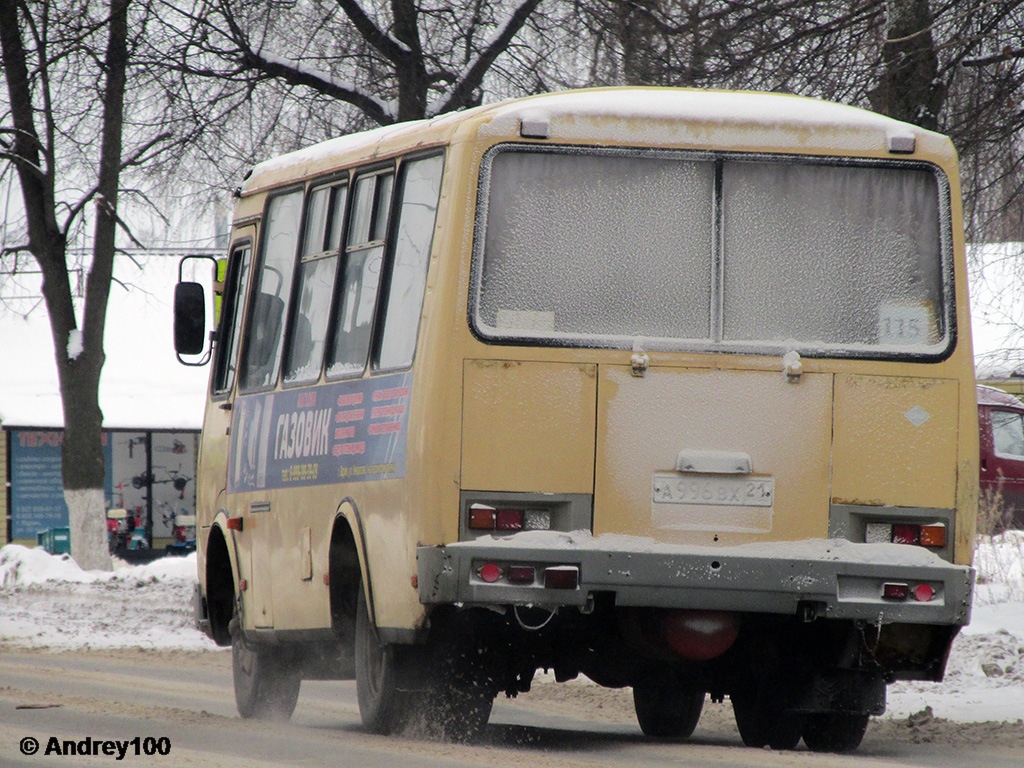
(833, 578)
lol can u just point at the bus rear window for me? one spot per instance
(727, 252)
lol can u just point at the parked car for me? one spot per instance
(1001, 425)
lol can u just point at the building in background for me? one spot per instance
(152, 405)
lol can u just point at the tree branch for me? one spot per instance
(382, 42)
(293, 74)
(473, 77)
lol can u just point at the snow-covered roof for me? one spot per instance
(644, 116)
(143, 386)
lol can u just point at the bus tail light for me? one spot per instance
(895, 591)
(906, 533)
(933, 535)
(923, 593)
(482, 517)
(562, 577)
(522, 574)
(490, 572)
(509, 519)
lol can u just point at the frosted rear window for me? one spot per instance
(597, 245)
(831, 255)
(602, 247)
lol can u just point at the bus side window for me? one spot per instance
(420, 190)
(364, 255)
(262, 352)
(318, 267)
(228, 333)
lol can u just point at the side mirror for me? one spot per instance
(189, 319)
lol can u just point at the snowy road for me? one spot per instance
(186, 698)
(114, 657)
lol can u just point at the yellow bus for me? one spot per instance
(668, 388)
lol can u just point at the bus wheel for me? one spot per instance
(265, 688)
(834, 731)
(383, 706)
(667, 711)
(762, 723)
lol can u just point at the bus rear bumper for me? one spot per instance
(816, 578)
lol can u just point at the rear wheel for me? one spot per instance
(435, 690)
(265, 686)
(763, 723)
(834, 731)
(667, 711)
(383, 704)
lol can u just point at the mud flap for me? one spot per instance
(844, 690)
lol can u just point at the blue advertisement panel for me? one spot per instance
(37, 487)
(347, 431)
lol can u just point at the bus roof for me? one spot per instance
(661, 117)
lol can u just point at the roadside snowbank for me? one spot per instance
(48, 601)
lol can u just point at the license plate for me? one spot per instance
(716, 490)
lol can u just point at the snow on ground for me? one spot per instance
(47, 601)
(985, 676)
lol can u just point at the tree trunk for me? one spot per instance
(83, 464)
(910, 88)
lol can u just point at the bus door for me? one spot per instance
(250, 494)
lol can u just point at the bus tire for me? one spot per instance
(763, 723)
(834, 731)
(667, 711)
(383, 706)
(265, 687)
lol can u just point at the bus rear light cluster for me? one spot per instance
(901, 592)
(552, 576)
(931, 535)
(483, 517)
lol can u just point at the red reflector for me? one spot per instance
(481, 518)
(933, 535)
(234, 523)
(905, 533)
(490, 573)
(415, 581)
(521, 574)
(923, 593)
(562, 577)
(510, 520)
(243, 585)
(892, 591)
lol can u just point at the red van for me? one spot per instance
(1001, 424)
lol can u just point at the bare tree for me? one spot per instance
(389, 62)
(66, 71)
(956, 66)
